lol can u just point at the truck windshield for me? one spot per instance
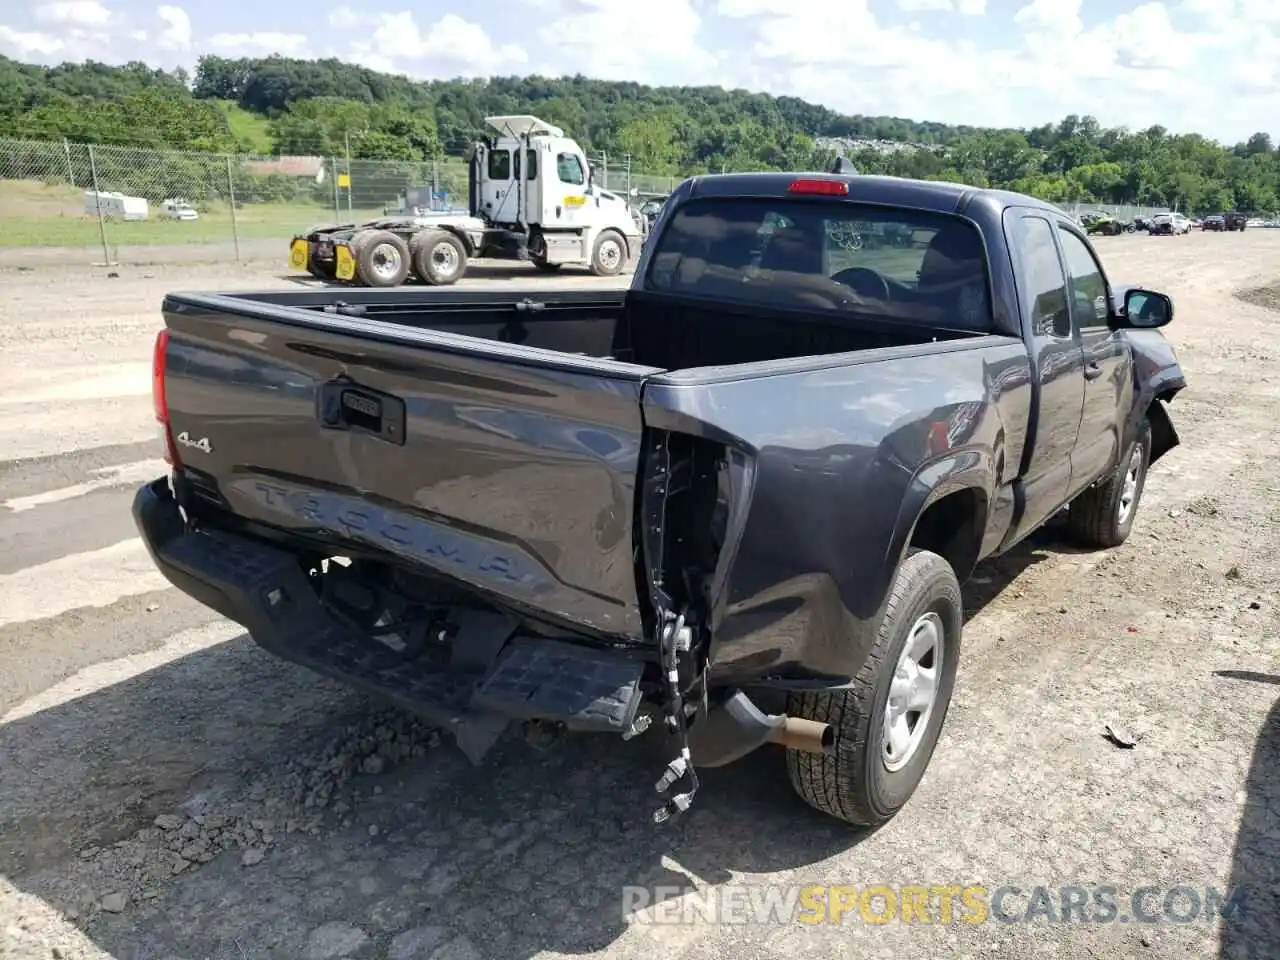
(893, 262)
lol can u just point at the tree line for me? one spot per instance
(327, 107)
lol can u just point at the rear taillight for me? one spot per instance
(159, 398)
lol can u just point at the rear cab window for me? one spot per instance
(895, 263)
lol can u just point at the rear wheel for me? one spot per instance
(538, 254)
(887, 724)
(439, 257)
(1102, 515)
(382, 259)
(609, 255)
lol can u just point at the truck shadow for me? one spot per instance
(993, 577)
(530, 852)
(1255, 861)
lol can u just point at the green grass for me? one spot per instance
(249, 129)
(41, 215)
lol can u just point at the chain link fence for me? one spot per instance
(1121, 211)
(60, 200)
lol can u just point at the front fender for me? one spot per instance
(1158, 376)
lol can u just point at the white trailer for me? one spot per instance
(117, 206)
(531, 196)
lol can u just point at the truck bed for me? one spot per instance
(627, 326)
(503, 445)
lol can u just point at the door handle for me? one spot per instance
(1092, 370)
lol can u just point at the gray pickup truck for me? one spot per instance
(737, 499)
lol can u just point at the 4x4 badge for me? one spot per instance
(203, 444)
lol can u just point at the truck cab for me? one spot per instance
(535, 182)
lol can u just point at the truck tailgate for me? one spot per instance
(508, 469)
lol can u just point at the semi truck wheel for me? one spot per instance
(1102, 515)
(382, 258)
(538, 254)
(887, 724)
(439, 258)
(609, 255)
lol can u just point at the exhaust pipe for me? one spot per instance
(796, 733)
(738, 726)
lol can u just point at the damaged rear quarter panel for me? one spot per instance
(839, 446)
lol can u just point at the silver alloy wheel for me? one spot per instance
(445, 258)
(913, 692)
(610, 255)
(386, 261)
(1129, 487)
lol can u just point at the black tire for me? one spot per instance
(327, 271)
(609, 254)
(439, 257)
(382, 258)
(1095, 518)
(538, 254)
(855, 782)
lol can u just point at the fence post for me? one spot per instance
(231, 189)
(333, 165)
(71, 174)
(97, 202)
(347, 139)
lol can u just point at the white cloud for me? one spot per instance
(82, 13)
(451, 46)
(1136, 68)
(176, 34)
(259, 44)
(607, 39)
(1051, 16)
(344, 18)
(28, 44)
(923, 6)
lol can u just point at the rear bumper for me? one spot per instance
(495, 674)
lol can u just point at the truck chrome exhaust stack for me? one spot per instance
(796, 733)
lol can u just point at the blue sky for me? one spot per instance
(1207, 66)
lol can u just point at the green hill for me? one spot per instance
(328, 107)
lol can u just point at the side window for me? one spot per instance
(569, 169)
(1045, 280)
(1088, 287)
(500, 165)
(532, 158)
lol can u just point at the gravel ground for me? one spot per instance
(170, 791)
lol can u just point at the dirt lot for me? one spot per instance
(168, 790)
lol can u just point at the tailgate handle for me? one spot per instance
(344, 406)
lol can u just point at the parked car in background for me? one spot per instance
(1174, 224)
(1235, 220)
(1104, 224)
(1214, 222)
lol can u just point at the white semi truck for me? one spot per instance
(531, 196)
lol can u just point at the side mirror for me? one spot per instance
(1146, 309)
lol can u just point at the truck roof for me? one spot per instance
(518, 125)
(936, 195)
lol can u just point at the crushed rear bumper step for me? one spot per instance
(266, 590)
